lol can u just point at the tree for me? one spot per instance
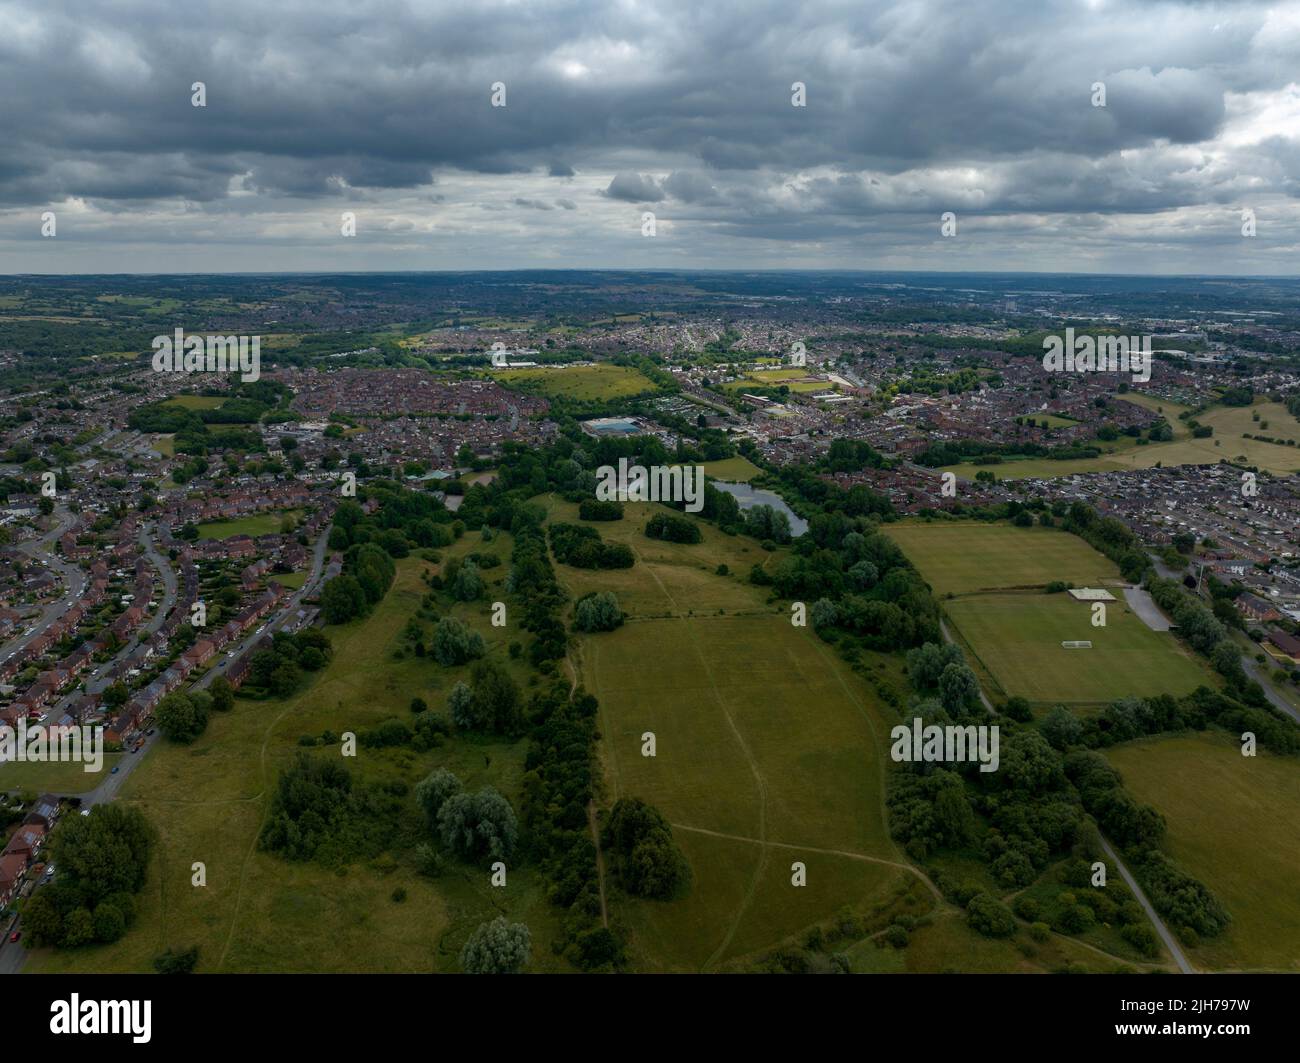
(180, 718)
(104, 853)
(598, 612)
(342, 599)
(109, 922)
(176, 961)
(1062, 728)
(958, 688)
(479, 825)
(223, 694)
(460, 703)
(454, 643)
(495, 697)
(432, 792)
(498, 947)
(990, 917)
(467, 586)
(78, 928)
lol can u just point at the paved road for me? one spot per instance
(1156, 921)
(1144, 605)
(74, 580)
(984, 698)
(1254, 669)
(13, 955)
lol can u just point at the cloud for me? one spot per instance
(913, 107)
(635, 188)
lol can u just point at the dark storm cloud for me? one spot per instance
(634, 188)
(912, 105)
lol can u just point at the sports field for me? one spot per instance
(768, 750)
(1012, 630)
(601, 381)
(1231, 823)
(1017, 638)
(960, 557)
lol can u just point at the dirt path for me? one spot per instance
(909, 868)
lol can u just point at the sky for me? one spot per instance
(983, 109)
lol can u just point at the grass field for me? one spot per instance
(1231, 823)
(292, 580)
(768, 749)
(794, 379)
(601, 381)
(734, 470)
(1226, 444)
(259, 912)
(961, 557)
(57, 778)
(196, 402)
(257, 524)
(1017, 638)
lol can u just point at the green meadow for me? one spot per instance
(1232, 824)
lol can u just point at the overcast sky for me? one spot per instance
(613, 109)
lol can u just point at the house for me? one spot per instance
(1289, 645)
(13, 866)
(27, 840)
(44, 812)
(1257, 608)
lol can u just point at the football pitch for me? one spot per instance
(1018, 637)
(991, 579)
(960, 557)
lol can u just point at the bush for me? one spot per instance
(990, 917)
(498, 947)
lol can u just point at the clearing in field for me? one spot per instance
(768, 750)
(1232, 824)
(596, 382)
(959, 557)
(1017, 638)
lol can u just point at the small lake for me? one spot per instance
(749, 497)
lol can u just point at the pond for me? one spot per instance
(749, 497)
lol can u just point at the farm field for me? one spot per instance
(1017, 638)
(259, 912)
(768, 750)
(1231, 823)
(597, 382)
(257, 524)
(1226, 444)
(961, 557)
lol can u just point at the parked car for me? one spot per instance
(15, 935)
(114, 771)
